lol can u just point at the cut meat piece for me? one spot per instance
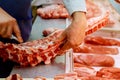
(87, 48)
(109, 72)
(53, 11)
(73, 76)
(14, 77)
(48, 31)
(40, 78)
(93, 10)
(79, 65)
(18, 77)
(66, 76)
(95, 78)
(99, 40)
(84, 71)
(118, 1)
(94, 60)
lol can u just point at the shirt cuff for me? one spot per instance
(75, 5)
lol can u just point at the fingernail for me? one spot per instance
(20, 40)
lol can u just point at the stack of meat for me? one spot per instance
(85, 64)
(87, 73)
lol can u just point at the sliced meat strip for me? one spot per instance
(94, 60)
(84, 71)
(53, 11)
(66, 76)
(109, 72)
(87, 48)
(95, 78)
(48, 31)
(99, 40)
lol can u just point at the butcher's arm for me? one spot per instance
(75, 32)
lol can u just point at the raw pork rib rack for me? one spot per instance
(43, 50)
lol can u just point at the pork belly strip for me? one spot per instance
(66, 76)
(99, 40)
(95, 78)
(109, 72)
(84, 71)
(95, 49)
(53, 11)
(94, 60)
(73, 76)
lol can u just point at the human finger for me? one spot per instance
(17, 33)
(66, 46)
(2, 31)
(9, 31)
(61, 37)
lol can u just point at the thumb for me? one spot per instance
(61, 37)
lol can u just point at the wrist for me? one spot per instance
(79, 18)
(78, 15)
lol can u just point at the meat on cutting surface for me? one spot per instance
(109, 72)
(87, 48)
(32, 52)
(59, 11)
(66, 76)
(40, 78)
(48, 31)
(43, 50)
(93, 10)
(14, 77)
(53, 11)
(19, 77)
(84, 71)
(99, 40)
(95, 78)
(94, 60)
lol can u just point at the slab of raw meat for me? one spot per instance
(99, 40)
(109, 72)
(94, 60)
(53, 11)
(96, 49)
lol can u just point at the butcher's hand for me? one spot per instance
(9, 26)
(74, 34)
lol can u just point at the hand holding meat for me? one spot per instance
(75, 33)
(8, 26)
